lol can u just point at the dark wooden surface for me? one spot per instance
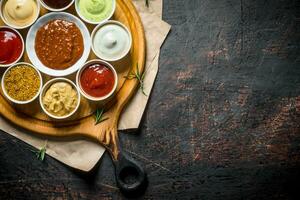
(222, 122)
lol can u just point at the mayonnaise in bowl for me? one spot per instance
(111, 41)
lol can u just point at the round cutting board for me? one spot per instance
(32, 118)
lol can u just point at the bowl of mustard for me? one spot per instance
(21, 83)
(60, 98)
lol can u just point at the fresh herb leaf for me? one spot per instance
(40, 154)
(99, 115)
(139, 77)
(147, 3)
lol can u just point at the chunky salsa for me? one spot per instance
(59, 44)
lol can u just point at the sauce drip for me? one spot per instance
(10, 46)
(59, 44)
(57, 4)
(97, 80)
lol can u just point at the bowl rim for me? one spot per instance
(99, 26)
(46, 87)
(17, 101)
(23, 46)
(20, 27)
(86, 42)
(56, 9)
(89, 97)
(92, 22)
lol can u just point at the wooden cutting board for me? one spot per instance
(32, 118)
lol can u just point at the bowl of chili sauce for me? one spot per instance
(11, 46)
(58, 44)
(97, 80)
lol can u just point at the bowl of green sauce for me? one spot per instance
(95, 11)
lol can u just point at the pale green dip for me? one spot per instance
(95, 10)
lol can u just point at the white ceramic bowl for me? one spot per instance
(46, 87)
(16, 101)
(30, 43)
(19, 27)
(89, 97)
(56, 9)
(17, 32)
(92, 22)
(104, 24)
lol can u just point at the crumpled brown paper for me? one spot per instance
(84, 154)
(155, 36)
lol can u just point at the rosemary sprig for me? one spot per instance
(99, 115)
(140, 77)
(40, 154)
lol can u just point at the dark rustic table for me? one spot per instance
(222, 122)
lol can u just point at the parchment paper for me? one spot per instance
(137, 105)
(81, 153)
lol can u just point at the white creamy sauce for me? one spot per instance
(111, 42)
(20, 12)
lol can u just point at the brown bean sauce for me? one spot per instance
(59, 44)
(57, 3)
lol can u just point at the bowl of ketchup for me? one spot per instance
(97, 80)
(11, 46)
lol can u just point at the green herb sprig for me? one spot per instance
(147, 3)
(40, 154)
(140, 77)
(99, 116)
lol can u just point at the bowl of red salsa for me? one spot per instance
(11, 46)
(97, 80)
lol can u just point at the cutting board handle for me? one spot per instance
(131, 178)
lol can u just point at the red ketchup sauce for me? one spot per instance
(97, 80)
(10, 46)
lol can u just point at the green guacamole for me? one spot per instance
(95, 10)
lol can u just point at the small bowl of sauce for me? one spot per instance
(19, 14)
(97, 80)
(95, 11)
(111, 41)
(11, 45)
(21, 83)
(56, 5)
(58, 44)
(60, 98)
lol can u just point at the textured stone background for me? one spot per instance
(223, 120)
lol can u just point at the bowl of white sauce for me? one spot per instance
(111, 41)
